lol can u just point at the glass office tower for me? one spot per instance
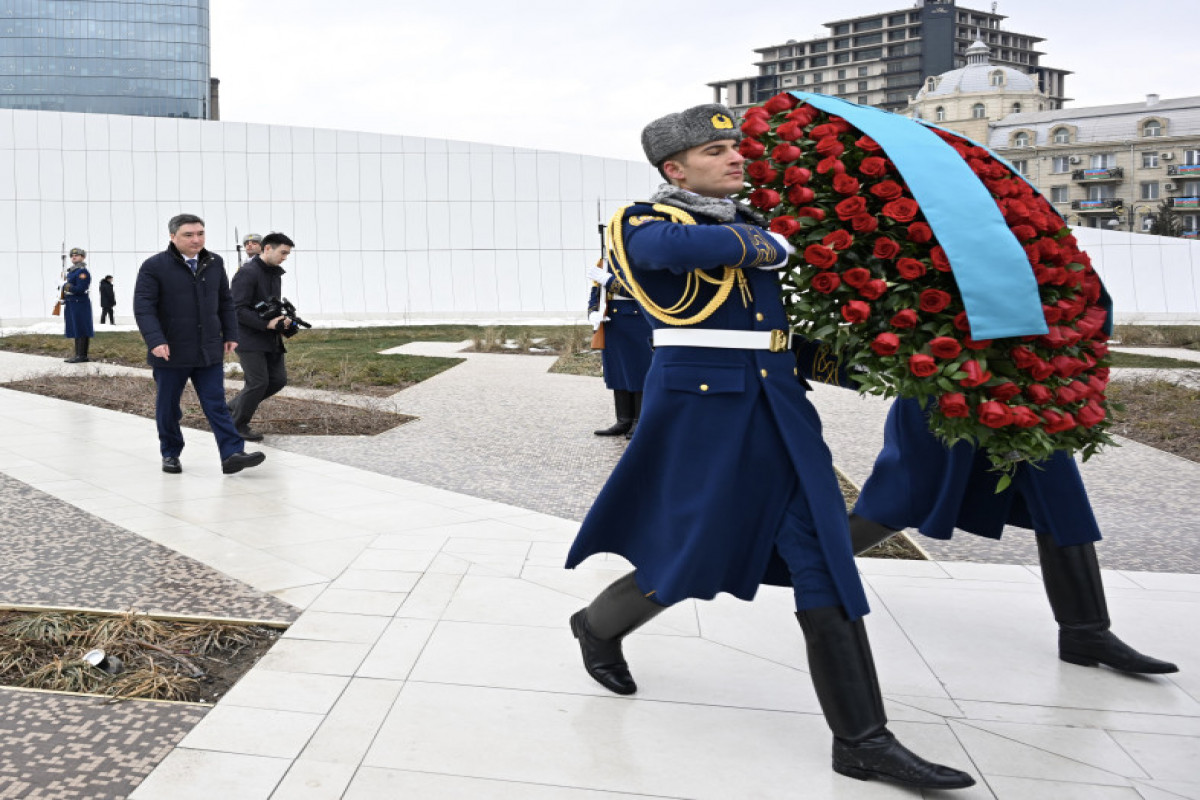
(140, 57)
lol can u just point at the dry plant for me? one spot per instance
(57, 628)
(152, 682)
(66, 675)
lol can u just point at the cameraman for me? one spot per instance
(260, 342)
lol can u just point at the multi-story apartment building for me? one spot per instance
(882, 59)
(138, 57)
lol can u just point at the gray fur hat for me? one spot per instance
(78, 251)
(698, 125)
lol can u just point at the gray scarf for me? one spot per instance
(717, 208)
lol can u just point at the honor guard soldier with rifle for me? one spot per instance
(77, 306)
(252, 246)
(730, 484)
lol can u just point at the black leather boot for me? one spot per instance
(81, 343)
(865, 534)
(1072, 578)
(843, 674)
(614, 614)
(637, 414)
(623, 400)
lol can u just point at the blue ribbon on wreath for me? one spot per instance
(994, 277)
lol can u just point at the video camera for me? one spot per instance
(273, 307)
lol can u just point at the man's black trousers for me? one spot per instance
(265, 374)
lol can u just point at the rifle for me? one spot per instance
(62, 282)
(602, 306)
(237, 245)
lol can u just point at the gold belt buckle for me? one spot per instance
(779, 341)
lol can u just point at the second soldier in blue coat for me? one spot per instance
(77, 306)
(729, 483)
(626, 354)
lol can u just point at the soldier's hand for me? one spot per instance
(595, 318)
(162, 351)
(785, 246)
(598, 275)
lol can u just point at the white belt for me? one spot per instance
(776, 341)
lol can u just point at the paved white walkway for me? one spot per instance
(433, 658)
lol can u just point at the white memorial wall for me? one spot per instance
(386, 227)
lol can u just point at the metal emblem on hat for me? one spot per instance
(721, 122)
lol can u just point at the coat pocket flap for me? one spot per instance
(704, 378)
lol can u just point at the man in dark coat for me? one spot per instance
(108, 300)
(186, 316)
(260, 342)
(729, 483)
(77, 306)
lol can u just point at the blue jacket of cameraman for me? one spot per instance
(254, 282)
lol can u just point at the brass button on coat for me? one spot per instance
(704, 387)
(759, 317)
(764, 373)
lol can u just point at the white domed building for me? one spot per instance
(967, 98)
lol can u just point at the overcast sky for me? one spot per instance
(550, 75)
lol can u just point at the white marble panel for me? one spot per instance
(237, 178)
(8, 167)
(354, 288)
(437, 177)
(526, 177)
(49, 130)
(212, 135)
(95, 127)
(549, 176)
(504, 177)
(371, 226)
(259, 219)
(592, 174)
(78, 174)
(120, 173)
(440, 224)
(237, 213)
(459, 175)
(50, 175)
(39, 280)
(29, 228)
(375, 279)
(331, 280)
(27, 175)
(349, 227)
(326, 229)
(325, 141)
(419, 294)
(278, 180)
(189, 135)
(235, 137)
(1181, 272)
(347, 141)
(570, 179)
(120, 132)
(25, 130)
(391, 175)
(142, 132)
(167, 186)
(347, 166)
(10, 272)
(124, 241)
(8, 228)
(505, 225)
(282, 219)
(395, 280)
(457, 146)
(369, 142)
(528, 237)
(145, 180)
(303, 140)
(478, 182)
(416, 226)
(75, 227)
(149, 230)
(53, 221)
(441, 289)
(258, 177)
(258, 138)
(528, 276)
(482, 230)
(304, 178)
(554, 282)
(370, 182)
(74, 133)
(279, 138)
(391, 143)
(393, 225)
(437, 146)
(166, 134)
(486, 281)
(549, 225)
(462, 280)
(327, 177)
(212, 176)
(100, 234)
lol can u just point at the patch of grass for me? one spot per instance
(1158, 336)
(586, 362)
(1158, 413)
(1124, 359)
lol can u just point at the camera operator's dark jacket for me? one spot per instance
(254, 282)
(193, 314)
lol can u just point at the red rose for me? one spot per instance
(826, 282)
(922, 365)
(976, 344)
(1091, 414)
(934, 300)
(920, 232)
(904, 319)
(976, 375)
(790, 131)
(803, 114)
(994, 415)
(885, 248)
(780, 102)
(757, 111)
(945, 347)
(751, 148)
(796, 176)
(886, 344)
(873, 166)
(845, 184)
(1052, 314)
(1065, 395)
(783, 153)
(953, 404)
(961, 322)
(864, 223)
(856, 311)
(799, 195)
(830, 147)
(1041, 370)
(874, 289)
(1066, 367)
(850, 207)
(1004, 392)
(1056, 422)
(910, 269)
(785, 226)
(1023, 232)
(868, 144)
(816, 213)
(1025, 417)
(1099, 349)
(902, 209)
(1023, 357)
(820, 256)
(1039, 394)
(765, 199)
(823, 131)
(856, 277)
(832, 164)
(887, 190)
(761, 172)
(938, 256)
(838, 240)
(755, 126)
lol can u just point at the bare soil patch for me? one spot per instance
(280, 415)
(143, 657)
(1158, 413)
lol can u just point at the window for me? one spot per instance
(1021, 165)
(840, 29)
(1101, 191)
(873, 38)
(1059, 194)
(841, 44)
(841, 58)
(1016, 108)
(1148, 222)
(939, 114)
(1061, 164)
(819, 47)
(1062, 136)
(1103, 161)
(1191, 158)
(997, 78)
(841, 74)
(1021, 139)
(1152, 128)
(841, 88)
(1150, 190)
(869, 55)
(978, 111)
(818, 77)
(896, 19)
(818, 61)
(862, 72)
(863, 100)
(862, 86)
(1149, 159)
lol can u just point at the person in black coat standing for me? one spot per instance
(108, 300)
(184, 310)
(260, 341)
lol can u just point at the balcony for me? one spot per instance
(1107, 205)
(1183, 202)
(1184, 170)
(1098, 175)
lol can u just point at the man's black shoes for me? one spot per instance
(240, 461)
(602, 658)
(171, 464)
(249, 434)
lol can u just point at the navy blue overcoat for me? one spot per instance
(728, 441)
(626, 354)
(77, 304)
(918, 482)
